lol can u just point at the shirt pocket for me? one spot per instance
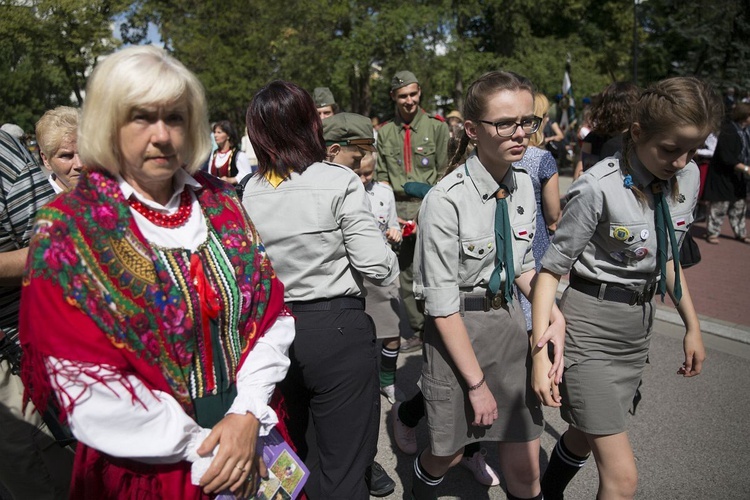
(424, 156)
(475, 256)
(627, 242)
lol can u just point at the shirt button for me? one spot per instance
(459, 176)
(484, 196)
(481, 251)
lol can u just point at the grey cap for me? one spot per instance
(13, 129)
(349, 129)
(323, 97)
(402, 79)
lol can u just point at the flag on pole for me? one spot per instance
(567, 103)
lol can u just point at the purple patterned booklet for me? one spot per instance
(286, 472)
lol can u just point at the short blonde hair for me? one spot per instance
(541, 108)
(54, 126)
(136, 77)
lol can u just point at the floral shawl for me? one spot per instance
(88, 256)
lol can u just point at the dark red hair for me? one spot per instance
(285, 129)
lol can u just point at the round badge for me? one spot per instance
(641, 252)
(425, 161)
(621, 233)
(644, 235)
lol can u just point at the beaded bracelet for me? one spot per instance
(477, 385)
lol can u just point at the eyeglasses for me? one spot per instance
(507, 128)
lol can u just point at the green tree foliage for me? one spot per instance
(47, 50)
(48, 47)
(709, 39)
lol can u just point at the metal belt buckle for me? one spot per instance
(497, 301)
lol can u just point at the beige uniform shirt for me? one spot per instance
(606, 234)
(319, 233)
(456, 239)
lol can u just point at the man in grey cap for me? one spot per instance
(324, 102)
(413, 147)
(349, 139)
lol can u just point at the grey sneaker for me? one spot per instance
(411, 344)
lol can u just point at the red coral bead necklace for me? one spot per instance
(177, 219)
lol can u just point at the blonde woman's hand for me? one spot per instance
(235, 461)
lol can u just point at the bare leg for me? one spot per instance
(618, 477)
(519, 463)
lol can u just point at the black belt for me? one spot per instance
(334, 304)
(406, 197)
(482, 302)
(612, 292)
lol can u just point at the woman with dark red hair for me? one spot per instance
(318, 231)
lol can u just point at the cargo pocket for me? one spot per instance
(437, 399)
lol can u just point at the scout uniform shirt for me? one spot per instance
(429, 145)
(382, 205)
(456, 240)
(606, 234)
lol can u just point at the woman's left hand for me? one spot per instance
(236, 460)
(695, 354)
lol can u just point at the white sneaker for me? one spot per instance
(483, 473)
(405, 436)
(392, 393)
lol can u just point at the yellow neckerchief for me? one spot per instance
(274, 179)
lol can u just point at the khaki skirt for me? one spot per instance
(384, 305)
(606, 349)
(502, 348)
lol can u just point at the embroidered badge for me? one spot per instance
(425, 161)
(621, 233)
(644, 235)
(420, 149)
(628, 181)
(680, 222)
(520, 210)
(523, 232)
(681, 198)
(641, 253)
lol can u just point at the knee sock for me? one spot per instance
(540, 496)
(423, 485)
(471, 448)
(411, 412)
(563, 465)
(388, 358)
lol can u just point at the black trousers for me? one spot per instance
(331, 394)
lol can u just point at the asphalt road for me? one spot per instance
(688, 434)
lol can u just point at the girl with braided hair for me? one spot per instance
(624, 220)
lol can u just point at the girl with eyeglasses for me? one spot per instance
(476, 228)
(625, 218)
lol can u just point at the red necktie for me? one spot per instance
(407, 148)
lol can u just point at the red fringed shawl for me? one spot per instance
(96, 294)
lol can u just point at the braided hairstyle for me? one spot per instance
(674, 102)
(476, 99)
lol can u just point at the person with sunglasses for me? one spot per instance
(474, 242)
